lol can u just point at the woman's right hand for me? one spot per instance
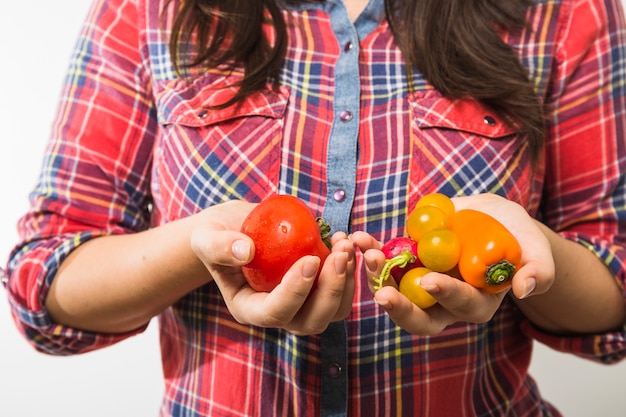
(146, 272)
(292, 306)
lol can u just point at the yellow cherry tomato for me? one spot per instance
(441, 201)
(439, 250)
(425, 219)
(410, 287)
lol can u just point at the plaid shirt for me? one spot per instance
(130, 135)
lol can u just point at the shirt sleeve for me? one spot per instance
(585, 189)
(95, 176)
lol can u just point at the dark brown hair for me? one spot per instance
(454, 43)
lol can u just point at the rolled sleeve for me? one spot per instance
(585, 174)
(28, 278)
(95, 176)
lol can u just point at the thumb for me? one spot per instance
(533, 278)
(222, 247)
(243, 250)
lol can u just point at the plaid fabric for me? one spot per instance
(130, 134)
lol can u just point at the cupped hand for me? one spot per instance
(292, 305)
(537, 273)
(457, 300)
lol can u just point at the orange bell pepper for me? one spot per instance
(490, 254)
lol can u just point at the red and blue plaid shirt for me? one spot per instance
(132, 146)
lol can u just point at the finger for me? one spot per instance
(325, 300)
(462, 300)
(280, 306)
(345, 307)
(223, 248)
(374, 262)
(530, 280)
(330, 300)
(222, 256)
(364, 241)
(337, 237)
(410, 317)
(342, 243)
(537, 273)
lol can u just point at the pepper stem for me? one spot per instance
(403, 259)
(499, 273)
(324, 231)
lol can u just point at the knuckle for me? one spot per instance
(299, 292)
(334, 293)
(295, 289)
(464, 307)
(273, 320)
(484, 317)
(239, 318)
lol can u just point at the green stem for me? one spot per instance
(324, 231)
(401, 260)
(499, 273)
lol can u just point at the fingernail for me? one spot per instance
(341, 264)
(529, 287)
(309, 270)
(370, 265)
(431, 289)
(241, 250)
(384, 304)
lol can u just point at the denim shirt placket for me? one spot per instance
(341, 184)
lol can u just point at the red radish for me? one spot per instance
(401, 254)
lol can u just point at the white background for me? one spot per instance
(36, 39)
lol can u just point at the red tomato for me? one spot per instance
(284, 230)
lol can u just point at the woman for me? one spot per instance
(177, 117)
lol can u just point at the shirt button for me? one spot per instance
(348, 46)
(490, 120)
(339, 195)
(345, 116)
(203, 114)
(334, 370)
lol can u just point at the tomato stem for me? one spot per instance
(499, 273)
(324, 231)
(403, 259)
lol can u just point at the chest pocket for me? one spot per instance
(461, 147)
(210, 155)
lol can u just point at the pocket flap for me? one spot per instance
(188, 102)
(432, 110)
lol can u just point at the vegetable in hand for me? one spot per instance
(284, 230)
(424, 219)
(401, 256)
(403, 264)
(490, 254)
(439, 250)
(410, 287)
(441, 201)
(483, 250)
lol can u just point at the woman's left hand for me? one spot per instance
(457, 300)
